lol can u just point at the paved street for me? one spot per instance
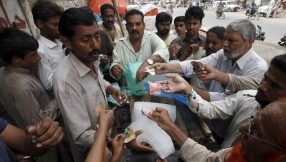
(273, 27)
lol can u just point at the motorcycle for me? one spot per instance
(253, 13)
(204, 6)
(220, 13)
(259, 34)
(282, 41)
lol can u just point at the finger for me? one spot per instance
(137, 133)
(170, 76)
(53, 139)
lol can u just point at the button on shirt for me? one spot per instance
(78, 90)
(51, 54)
(240, 106)
(250, 64)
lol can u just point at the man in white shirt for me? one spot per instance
(46, 17)
(163, 22)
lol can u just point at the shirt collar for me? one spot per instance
(50, 43)
(18, 70)
(81, 68)
(144, 38)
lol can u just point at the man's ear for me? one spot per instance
(16, 60)
(66, 41)
(40, 23)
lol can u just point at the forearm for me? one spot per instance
(185, 55)
(221, 77)
(177, 135)
(111, 90)
(175, 68)
(96, 152)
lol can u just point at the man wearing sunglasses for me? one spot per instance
(239, 107)
(263, 138)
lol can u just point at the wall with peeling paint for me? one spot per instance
(18, 13)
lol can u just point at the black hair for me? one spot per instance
(44, 10)
(179, 18)
(279, 62)
(194, 12)
(163, 17)
(134, 12)
(15, 43)
(73, 17)
(106, 6)
(218, 31)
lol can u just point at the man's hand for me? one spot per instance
(106, 119)
(117, 70)
(193, 47)
(206, 73)
(176, 85)
(46, 133)
(141, 72)
(160, 68)
(133, 145)
(173, 52)
(104, 60)
(161, 116)
(117, 146)
(120, 97)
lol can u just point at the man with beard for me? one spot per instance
(79, 86)
(163, 22)
(236, 108)
(193, 22)
(137, 45)
(263, 138)
(108, 25)
(46, 16)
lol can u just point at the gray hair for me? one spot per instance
(245, 28)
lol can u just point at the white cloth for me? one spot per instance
(51, 54)
(78, 90)
(250, 64)
(169, 39)
(240, 106)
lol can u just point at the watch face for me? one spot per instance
(150, 61)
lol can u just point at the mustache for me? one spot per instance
(94, 51)
(134, 31)
(225, 48)
(111, 22)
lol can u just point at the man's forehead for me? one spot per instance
(86, 29)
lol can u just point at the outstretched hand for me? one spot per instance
(206, 73)
(176, 85)
(133, 145)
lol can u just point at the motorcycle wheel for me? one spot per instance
(257, 16)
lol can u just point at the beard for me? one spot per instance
(234, 53)
(163, 32)
(236, 154)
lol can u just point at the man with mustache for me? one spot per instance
(262, 139)
(137, 45)
(163, 22)
(79, 86)
(108, 25)
(236, 57)
(46, 16)
(193, 22)
(236, 108)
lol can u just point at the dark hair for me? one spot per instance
(134, 12)
(194, 12)
(218, 31)
(73, 17)
(163, 17)
(179, 18)
(15, 43)
(44, 10)
(106, 6)
(279, 62)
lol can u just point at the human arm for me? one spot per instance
(117, 147)
(35, 140)
(119, 96)
(32, 109)
(189, 50)
(162, 68)
(173, 51)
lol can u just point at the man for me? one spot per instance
(251, 8)
(262, 139)
(108, 25)
(271, 5)
(236, 57)
(237, 107)
(26, 144)
(163, 22)
(46, 16)
(78, 83)
(180, 28)
(193, 22)
(22, 94)
(138, 45)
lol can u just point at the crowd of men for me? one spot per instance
(51, 86)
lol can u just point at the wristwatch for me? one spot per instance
(150, 62)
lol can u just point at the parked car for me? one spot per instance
(227, 5)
